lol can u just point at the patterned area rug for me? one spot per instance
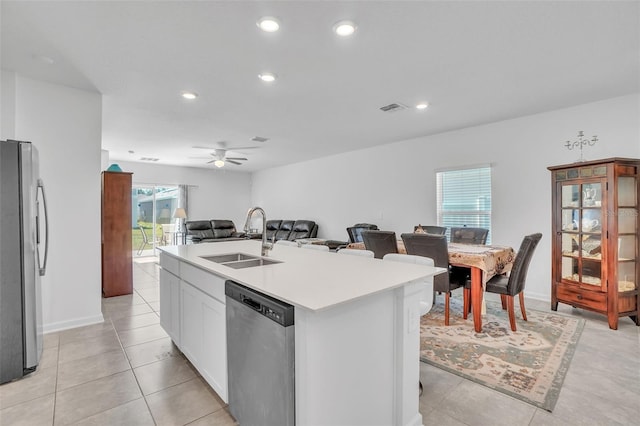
(529, 364)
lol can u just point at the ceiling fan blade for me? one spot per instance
(233, 162)
(236, 158)
(209, 162)
(210, 148)
(233, 148)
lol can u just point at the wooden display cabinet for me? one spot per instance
(595, 248)
(117, 252)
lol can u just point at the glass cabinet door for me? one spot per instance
(627, 210)
(581, 205)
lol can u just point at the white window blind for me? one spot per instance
(464, 198)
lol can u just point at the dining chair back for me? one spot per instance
(355, 231)
(509, 286)
(435, 247)
(318, 247)
(430, 229)
(469, 235)
(356, 252)
(380, 242)
(426, 295)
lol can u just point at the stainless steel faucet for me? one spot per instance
(265, 245)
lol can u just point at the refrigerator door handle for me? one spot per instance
(43, 267)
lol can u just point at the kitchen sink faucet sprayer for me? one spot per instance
(265, 246)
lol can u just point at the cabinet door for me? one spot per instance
(582, 236)
(627, 244)
(203, 336)
(214, 345)
(170, 305)
(191, 322)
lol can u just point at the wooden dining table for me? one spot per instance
(484, 261)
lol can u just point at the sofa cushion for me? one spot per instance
(285, 230)
(302, 229)
(223, 228)
(199, 229)
(272, 228)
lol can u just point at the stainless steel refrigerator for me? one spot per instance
(23, 259)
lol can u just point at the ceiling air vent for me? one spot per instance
(393, 107)
(259, 139)
(148, 159)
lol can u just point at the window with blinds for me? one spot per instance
(464, 198)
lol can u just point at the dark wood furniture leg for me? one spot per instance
(476, 298)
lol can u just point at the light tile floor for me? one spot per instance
(126, 371)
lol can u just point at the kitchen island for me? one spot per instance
(356, 326)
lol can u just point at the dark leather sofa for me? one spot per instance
(205, 231)
(291, 229)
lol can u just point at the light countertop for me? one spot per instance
(307, 279)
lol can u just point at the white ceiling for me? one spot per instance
(474, 62)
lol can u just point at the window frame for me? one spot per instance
(478, 217)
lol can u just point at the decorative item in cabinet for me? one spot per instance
(117, 251)
(596, 246)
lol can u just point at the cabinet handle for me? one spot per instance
(579, 297)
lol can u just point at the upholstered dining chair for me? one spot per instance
(356, 252)
(355, 231)
(435, 247)
(513, 284)
(430, 229)
(318, 247)
(380, 242)
(469, 235)
(286, 243)
(426, 296)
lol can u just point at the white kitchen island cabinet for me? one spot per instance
(357, 333)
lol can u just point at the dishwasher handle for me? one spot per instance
(256, 306)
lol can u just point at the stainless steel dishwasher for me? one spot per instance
(260, 358)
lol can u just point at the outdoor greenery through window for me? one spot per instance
(464, 198)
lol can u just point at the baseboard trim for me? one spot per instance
(66, 325)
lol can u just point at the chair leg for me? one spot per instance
(512, 314)
(467, 302)
(524, 312)
(141, 248)
(446, 308)
(503, 300)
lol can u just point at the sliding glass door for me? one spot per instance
(152, 217)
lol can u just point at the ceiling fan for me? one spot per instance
(220, 154)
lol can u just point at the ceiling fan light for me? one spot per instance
(218, 163)
(267, 77)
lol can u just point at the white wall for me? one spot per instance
(213, 194)
(393, 185)
(65, 125)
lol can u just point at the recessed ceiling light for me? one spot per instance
(344, 28)
(267, 76)
(422, 105)
(189, 95)
(268, 24)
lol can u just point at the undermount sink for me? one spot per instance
(240, 260)
(230, 257)
(251, 263)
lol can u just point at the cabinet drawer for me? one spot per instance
(170, 263)
(203, 280)
(578, 296)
